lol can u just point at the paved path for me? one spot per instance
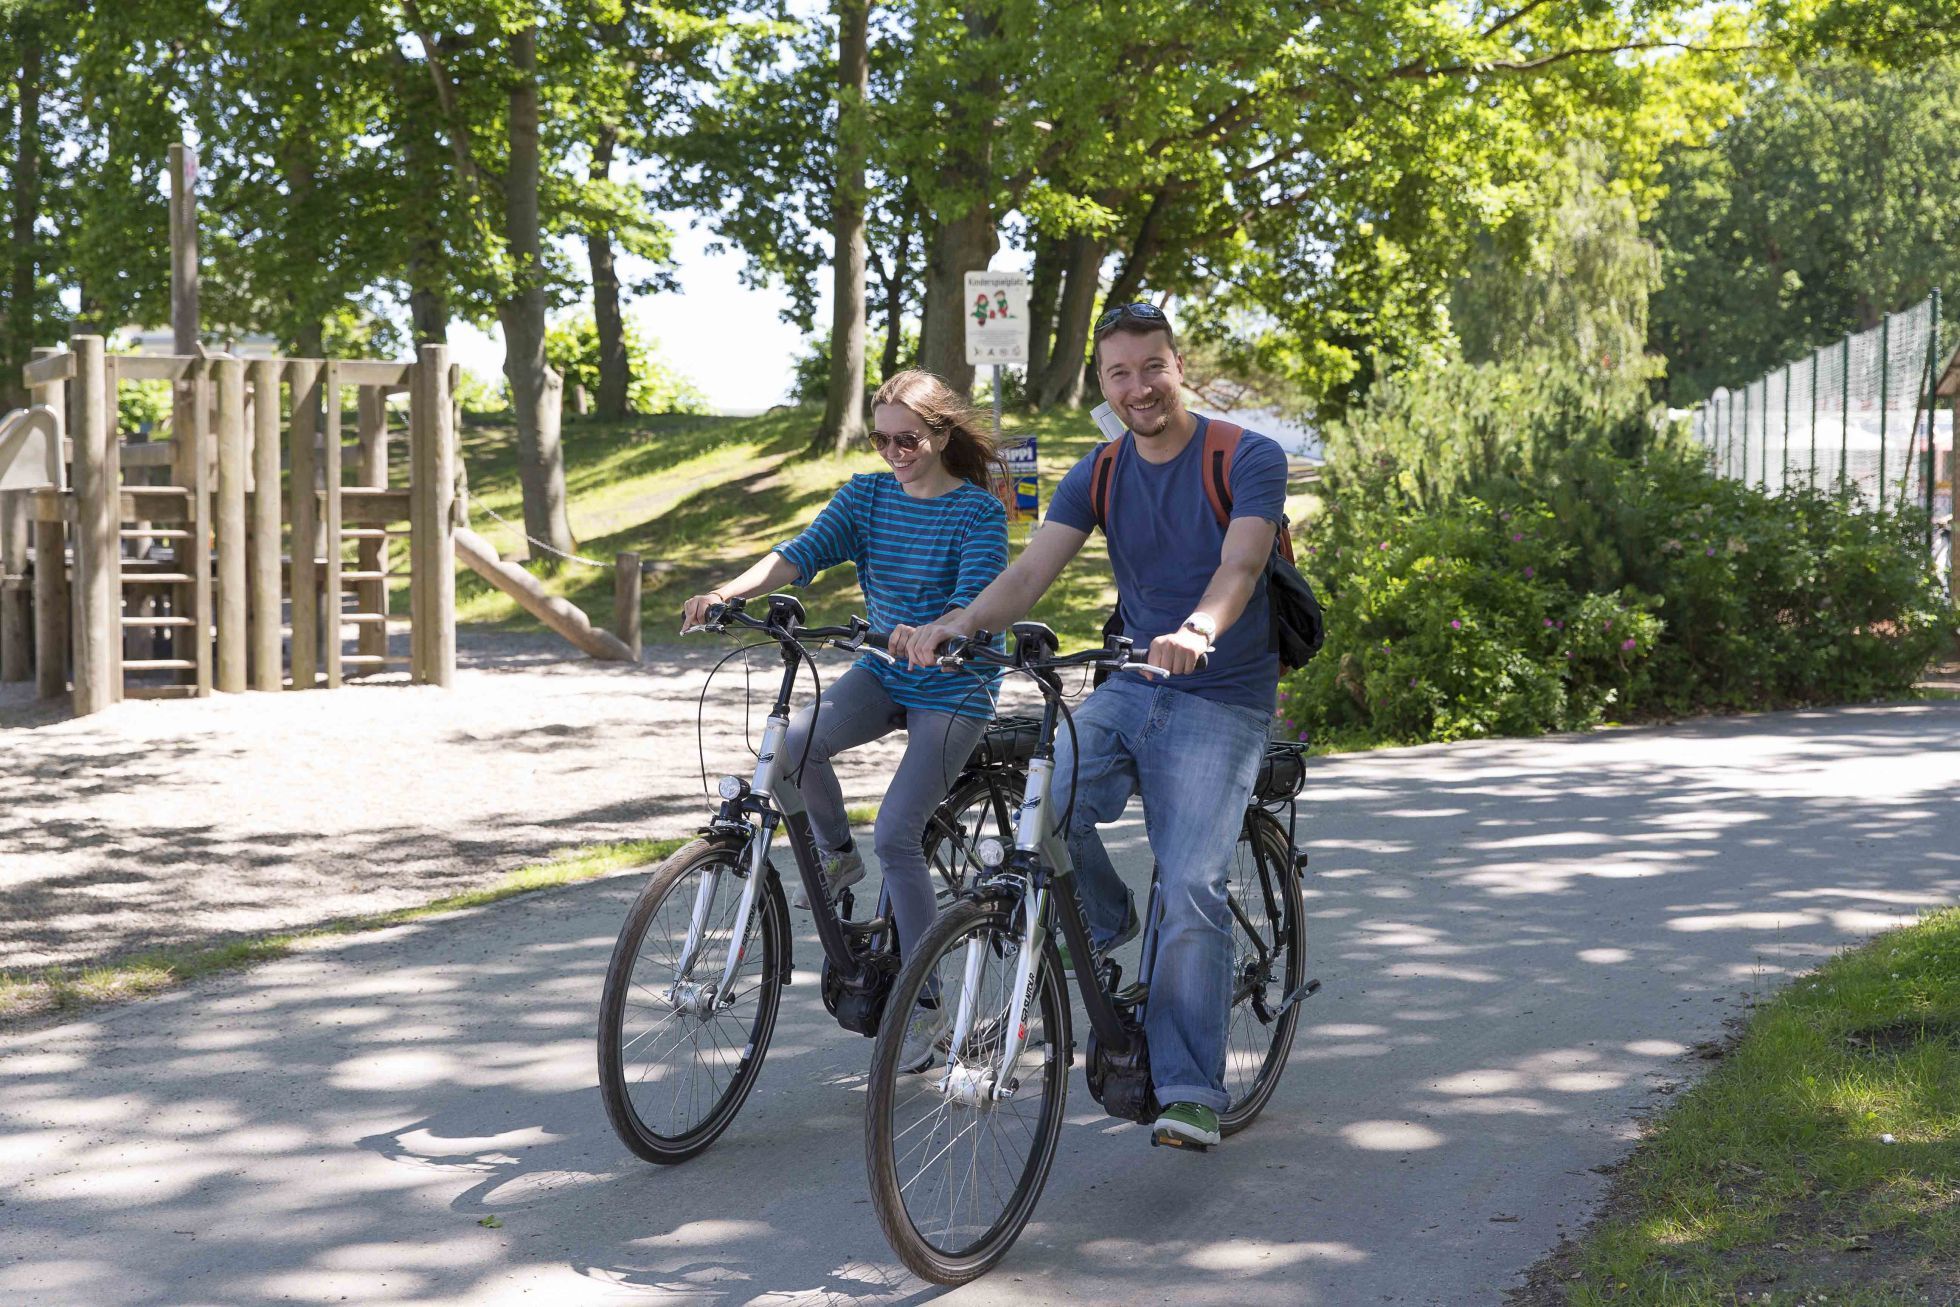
(1521, 941)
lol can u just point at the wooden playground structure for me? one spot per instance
(223, 557)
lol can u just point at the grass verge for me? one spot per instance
(1819, 1163)
(58, 990)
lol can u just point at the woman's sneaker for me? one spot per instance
(925, 1037)
(839, 870)
(1186, 1125)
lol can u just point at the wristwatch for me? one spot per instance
(1203, 624)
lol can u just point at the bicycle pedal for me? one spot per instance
(1177, 1141)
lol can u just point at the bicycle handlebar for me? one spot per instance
(1117, 653)
(785, 623)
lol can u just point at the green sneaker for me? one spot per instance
(1186, 1125)
(1123, 936)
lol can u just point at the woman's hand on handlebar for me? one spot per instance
(695, 611)
(1179, 652)
(919, 645)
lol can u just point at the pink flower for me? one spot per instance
(1516, 536)
(1568, 653)
(1384, 544)
(1627, 643)
(1548, 622)
(1412, 682)
(1711, 551)
(1530, 572)
(1455, 625)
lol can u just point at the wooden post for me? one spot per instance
(432, 469)
(232, 608)
(16, 619)
(330, 450)
(626, 601)
(305, 518)
(372, 551)
(51, 615)
(267, 662)
(183, 305)
(98, 565)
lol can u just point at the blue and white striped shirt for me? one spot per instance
(917, 560)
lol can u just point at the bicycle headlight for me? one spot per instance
(990, 851)
(731, 787)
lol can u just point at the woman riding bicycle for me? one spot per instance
(926, 537)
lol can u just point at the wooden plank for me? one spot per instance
(158, 367)
(149, 453)
(98, 581)
(233, 608)
(156, 504)
(375, 372)
(267, 671)
(433, 378)
(305, 518)
(159, 665)
(50, 367)
(16, 613)
(161, 692)
(330, 474)
(360, 506)
(51, 596)
(112, 479)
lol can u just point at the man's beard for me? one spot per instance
(1163, 424)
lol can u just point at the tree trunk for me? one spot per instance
(540, 458)
(1044, 289)
(964, 240)
(1062, 383)
(843, 418)
(428, 293)
(964, 244)
(615, 369)
(21, 288)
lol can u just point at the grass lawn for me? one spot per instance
(1818, 1163)
(702, 497)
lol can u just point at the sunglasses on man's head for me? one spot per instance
(1149, 313)
(907, 441)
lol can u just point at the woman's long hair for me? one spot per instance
(972, 447)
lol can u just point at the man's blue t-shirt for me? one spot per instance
(1165, 545)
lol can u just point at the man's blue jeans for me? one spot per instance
(1194, 762)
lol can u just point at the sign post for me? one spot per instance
(997, 335)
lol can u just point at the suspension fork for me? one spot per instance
(768, 767)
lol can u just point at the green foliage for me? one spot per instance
(1511, 550)
(1823, 204)
(572, 347)
(480, 394)
(141, 406)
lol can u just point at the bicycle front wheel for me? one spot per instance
(957, 1155)
(678, 1054)
(1269, 962)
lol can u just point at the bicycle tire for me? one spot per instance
(968, 814)
(673, 1141)
(991, 920)
(1272, 904)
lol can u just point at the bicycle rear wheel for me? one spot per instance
(677, 1059)
(1269, 960)
(955, 1170)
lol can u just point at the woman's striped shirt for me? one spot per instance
(917, 560)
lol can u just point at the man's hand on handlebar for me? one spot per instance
(919, 645)
(1178, 653)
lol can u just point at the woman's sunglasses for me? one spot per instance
(907, 441)
(1130, 313)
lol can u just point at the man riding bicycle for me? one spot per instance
(1189, 741)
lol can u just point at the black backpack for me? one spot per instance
(1299, 624)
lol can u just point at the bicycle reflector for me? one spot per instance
(990, 851)
(731, 787)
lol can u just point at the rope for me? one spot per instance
(535, 542)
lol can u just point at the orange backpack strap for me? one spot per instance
(1221, 442)
(1100, 476)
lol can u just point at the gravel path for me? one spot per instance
(167, 822)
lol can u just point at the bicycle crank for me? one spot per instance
(1300, 995)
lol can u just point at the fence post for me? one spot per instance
(1844, 414)
(1932, 408)
(626, 601)
(98, 565)
(1783, 477)
(372, 552)
(266, 662)
(1813, 417)
(1884, 397)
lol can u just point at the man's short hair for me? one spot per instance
(1138, 319)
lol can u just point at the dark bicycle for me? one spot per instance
(958, 1152)
(697, 973)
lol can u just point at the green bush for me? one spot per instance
(1512, 550)
(573, 348)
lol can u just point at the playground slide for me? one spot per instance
(561, 615)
